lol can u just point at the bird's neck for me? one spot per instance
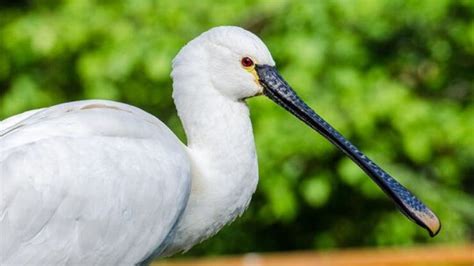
(224, 161)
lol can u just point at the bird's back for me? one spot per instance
(89, 182)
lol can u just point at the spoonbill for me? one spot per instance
(98, 182)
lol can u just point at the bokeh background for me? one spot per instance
(394, 76)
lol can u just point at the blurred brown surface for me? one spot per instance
(417, 256)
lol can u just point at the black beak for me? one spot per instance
(276, 88)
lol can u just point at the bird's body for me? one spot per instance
(79, 179)
(104, 183)
(92, 171)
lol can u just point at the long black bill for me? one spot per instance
(276, 88)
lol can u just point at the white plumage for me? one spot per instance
(91, 182)
(104, 183)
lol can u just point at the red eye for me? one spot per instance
(247, 62)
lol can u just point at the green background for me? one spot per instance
(395, 77)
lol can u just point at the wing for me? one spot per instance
(90, 182)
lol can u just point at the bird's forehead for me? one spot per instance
(241, 42)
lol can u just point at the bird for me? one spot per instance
(99, 182)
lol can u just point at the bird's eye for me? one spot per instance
(247, 62)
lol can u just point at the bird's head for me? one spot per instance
(240, 66)
(230, 57)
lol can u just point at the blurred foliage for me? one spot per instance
(395, 76)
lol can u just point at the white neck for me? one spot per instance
(222, 150)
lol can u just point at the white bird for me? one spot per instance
(99, 182)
